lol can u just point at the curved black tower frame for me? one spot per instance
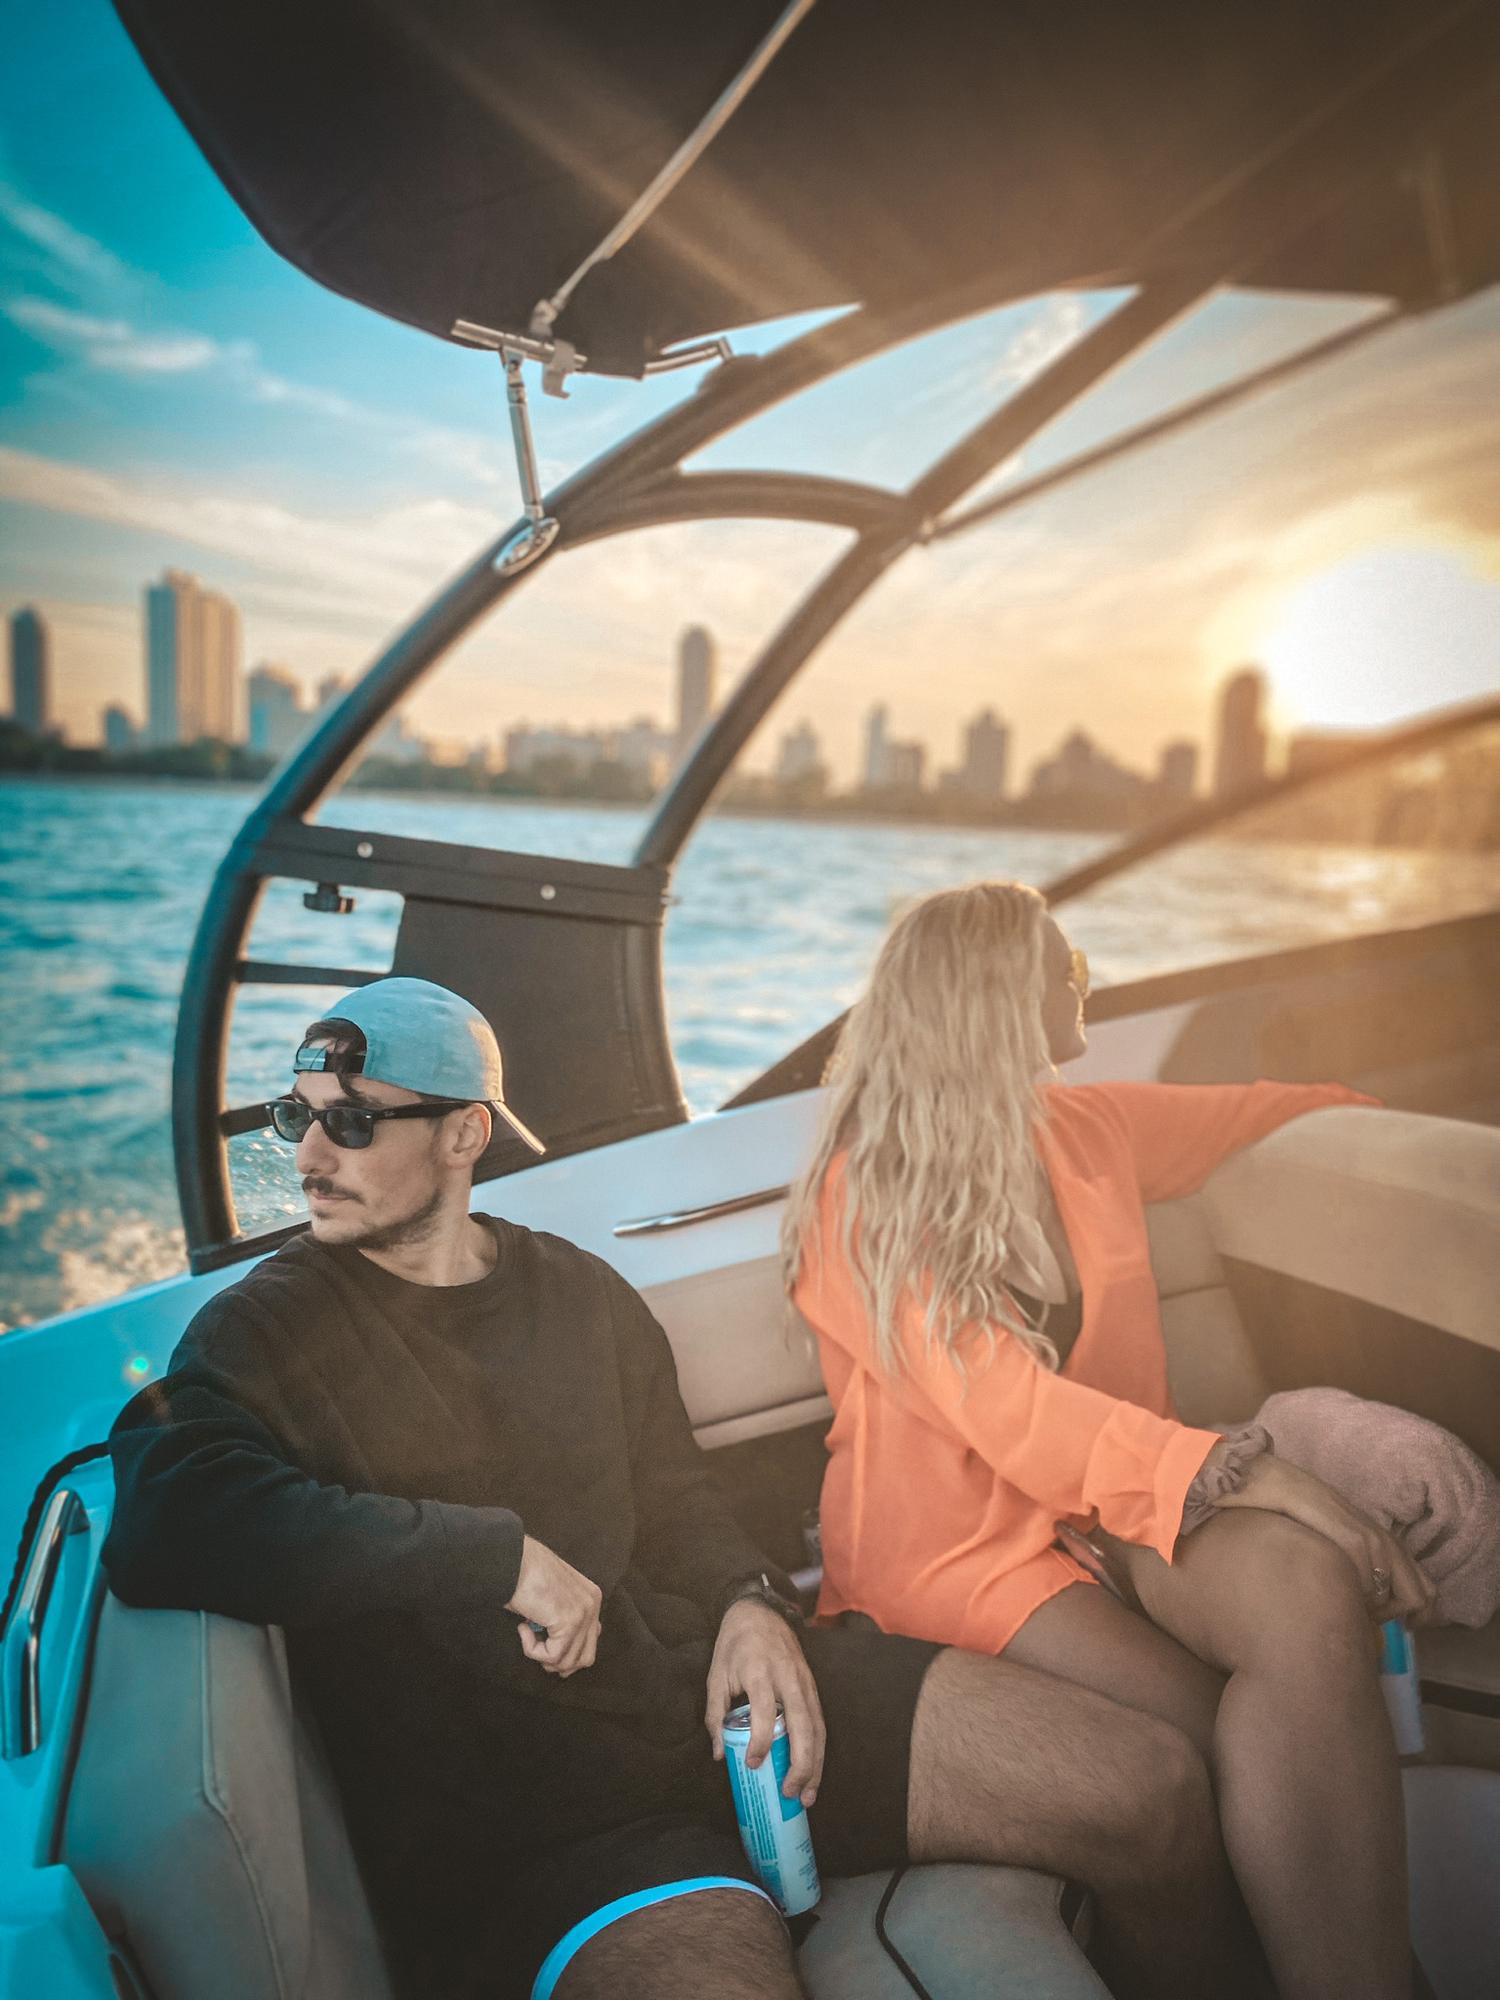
(586, 1028)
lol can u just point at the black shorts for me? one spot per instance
(868, 1682)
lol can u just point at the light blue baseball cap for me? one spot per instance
(419, 1036)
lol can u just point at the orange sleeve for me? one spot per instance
(1179, 1132)
(1070, 1448)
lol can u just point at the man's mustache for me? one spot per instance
(316, 1184)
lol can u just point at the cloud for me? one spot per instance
(1049, 333)
(55, 323)
(355, 573)
(119, 346)
(65, 247)
(90, 327)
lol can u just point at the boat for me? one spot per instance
(615, 190)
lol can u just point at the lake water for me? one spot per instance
(774, 928)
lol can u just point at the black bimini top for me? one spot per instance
(440, 160)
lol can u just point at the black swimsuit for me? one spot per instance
(1063, 1322)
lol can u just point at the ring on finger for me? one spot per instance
(1380, 1580)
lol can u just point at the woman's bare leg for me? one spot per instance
(1303, 1760)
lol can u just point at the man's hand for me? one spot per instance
(757, 1655)
(554, 1596)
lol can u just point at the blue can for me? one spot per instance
(1400, 1686)
(773, 1829)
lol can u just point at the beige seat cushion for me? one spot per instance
(969, 1933)
(1391, 1207)
(205, 1830)
(202, 1822)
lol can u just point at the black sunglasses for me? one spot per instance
(351, 1126)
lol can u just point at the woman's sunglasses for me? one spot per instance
(1078, 973)
(351, 1126)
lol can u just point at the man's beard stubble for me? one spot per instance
(398, 1235)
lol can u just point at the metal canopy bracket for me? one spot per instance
(559, 358)
(539, 530)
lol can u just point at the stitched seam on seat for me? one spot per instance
(218, 1805)
(1376, 1183)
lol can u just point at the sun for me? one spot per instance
(1389, 633)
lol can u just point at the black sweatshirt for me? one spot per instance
(353, 1457)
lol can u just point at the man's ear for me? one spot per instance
(470, 1134)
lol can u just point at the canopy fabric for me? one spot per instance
(441, 160)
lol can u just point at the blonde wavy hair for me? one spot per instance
(934, 1091)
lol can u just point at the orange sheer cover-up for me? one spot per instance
(943, 1487)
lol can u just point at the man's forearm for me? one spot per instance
(217, 1525)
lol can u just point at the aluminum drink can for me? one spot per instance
(773, 1829)
(1401, 1688)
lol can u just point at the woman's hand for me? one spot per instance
(1392, 1583)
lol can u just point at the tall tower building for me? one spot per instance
(219, 710)
(31, 671)
(877, 770)
(1178, 769)
(1240, 759)
(192, 662)
(986, 756)
(276, 711)
(119, 730)
(697, 671)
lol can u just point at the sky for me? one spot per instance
(172, 393)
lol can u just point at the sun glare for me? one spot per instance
(1386, 634)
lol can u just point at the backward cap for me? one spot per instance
(422, 1036)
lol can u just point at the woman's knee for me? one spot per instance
(1297, 1599)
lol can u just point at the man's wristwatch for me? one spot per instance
(761, 1590)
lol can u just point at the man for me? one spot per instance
(448, 1455)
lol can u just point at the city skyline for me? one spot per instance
(192, 674)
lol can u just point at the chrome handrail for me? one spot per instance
(656, 1225)
(21, 1662)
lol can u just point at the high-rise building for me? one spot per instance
(697, 671)
(580, 749)
(905, 764)
(986, 759)
(192, 662)
(276, 712)
(1178, 770)
(1240, 760)
(643, 748)
(398, 743)
(223, 670)
(31, 671)
(800, 758)
(119, 729)
(1081, 769)
(877, 748)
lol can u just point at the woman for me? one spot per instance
(969, 1245)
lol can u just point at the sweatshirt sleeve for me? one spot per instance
(1179, 1132)
(213, 1514)
(688, 1542)
(1081, 1454)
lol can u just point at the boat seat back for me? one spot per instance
(1215, 1375)
(202, 1821)
(747, 1362)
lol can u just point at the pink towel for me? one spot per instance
(1413, 1477)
